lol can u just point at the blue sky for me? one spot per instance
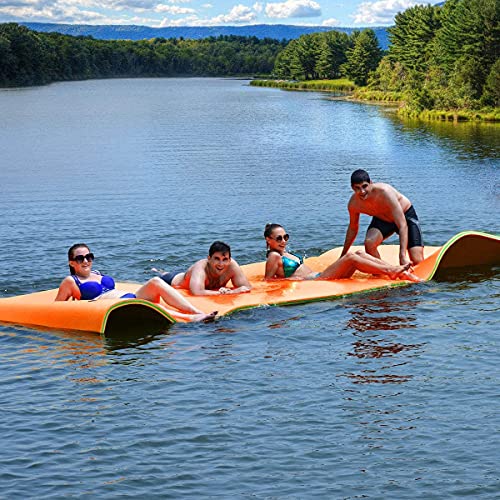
(160, 13)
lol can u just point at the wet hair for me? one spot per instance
(359, 176)
(219, 246)
(71, 254)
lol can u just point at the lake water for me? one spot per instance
(392, 394)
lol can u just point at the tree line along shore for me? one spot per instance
(29, 57)
(442, 63)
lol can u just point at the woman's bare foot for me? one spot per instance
(206, 318)
(398, 271)
(407, 275)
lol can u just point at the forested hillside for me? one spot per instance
(31, 58)
(442, 57)
(134, 32)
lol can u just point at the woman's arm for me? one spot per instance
(274, 266)
(68, 290)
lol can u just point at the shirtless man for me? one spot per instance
(391, 211)
(210, 276)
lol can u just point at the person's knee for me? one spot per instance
(416, 254)
(357, 255)
(371, 244)
(156, 282)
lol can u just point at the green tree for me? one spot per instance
(304, 57)
(470, 31)
(333, 46)
(491, 94)
(411, 37)
(363, 58)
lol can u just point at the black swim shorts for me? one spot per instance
(168, 277)
(415, 238)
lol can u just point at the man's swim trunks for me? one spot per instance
(415, 238)
(168, 277)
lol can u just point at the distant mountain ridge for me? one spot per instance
(134, 32)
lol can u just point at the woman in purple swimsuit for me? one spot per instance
(85, 284)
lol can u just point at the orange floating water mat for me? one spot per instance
(39, 309)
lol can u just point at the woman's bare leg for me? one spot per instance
(191, 317)
(156, 288)
(361, 261)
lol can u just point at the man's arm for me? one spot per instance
(352, 230)
(400, 221)
(240, 281)
(197, 280)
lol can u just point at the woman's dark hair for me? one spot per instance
(359, 176)
(71, 254)
(268, 230)
(219, 246)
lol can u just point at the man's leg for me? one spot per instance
(415, 238)
(372, 240)
(416, 254)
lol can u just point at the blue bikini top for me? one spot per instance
(291, 265)
(92, 289)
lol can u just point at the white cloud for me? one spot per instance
(52, 14)
(207, 5)
(238, 14)
(293, 8)
(382, 11)
(185, 21)
(173, 10)
(331, 22)
(59, 11)
(258, 7)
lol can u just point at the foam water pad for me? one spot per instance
(39, 309)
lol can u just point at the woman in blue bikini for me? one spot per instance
(85, 284)
(283, 264)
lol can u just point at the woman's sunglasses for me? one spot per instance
(80, 258)
(280, 238)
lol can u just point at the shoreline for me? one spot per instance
(343, 93)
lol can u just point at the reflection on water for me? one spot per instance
(377, 379)
(81, 350)
(468, 140)
(377, 348)
(468, 275)
(125, 339)
(284, 322)
(378, 314)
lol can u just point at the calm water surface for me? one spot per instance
(392, 394)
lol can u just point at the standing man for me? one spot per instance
(211, 275)
(391, 211)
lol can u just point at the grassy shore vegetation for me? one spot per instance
(31, 58)
(340, 86)
(443, 62)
